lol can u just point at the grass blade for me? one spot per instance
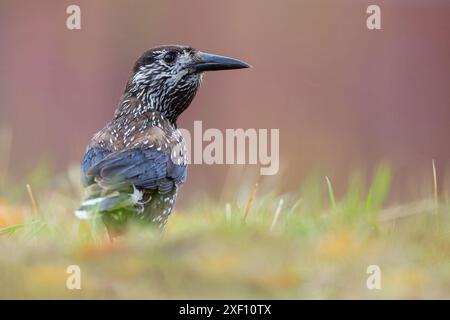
(435, 185)
(277, 214)
(11, 229)
(331, 194)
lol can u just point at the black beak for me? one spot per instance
(212, 62)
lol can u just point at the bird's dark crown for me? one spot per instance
(151, 55)
(166, 79)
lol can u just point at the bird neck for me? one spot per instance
(138, 104)
(169, 98)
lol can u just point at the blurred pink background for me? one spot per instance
(343, 97)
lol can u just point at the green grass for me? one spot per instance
(308, 244)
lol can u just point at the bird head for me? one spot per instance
(167, 78)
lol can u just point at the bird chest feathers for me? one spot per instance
(149, 131)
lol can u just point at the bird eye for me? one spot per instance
(170, 57)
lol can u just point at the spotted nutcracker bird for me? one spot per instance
(133, 167)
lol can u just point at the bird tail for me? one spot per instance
(100, 201)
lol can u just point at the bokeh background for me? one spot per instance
(344, 98)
